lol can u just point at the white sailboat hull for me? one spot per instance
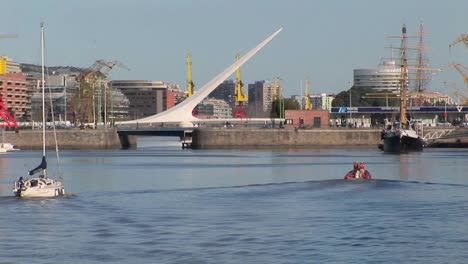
(42, 186)
(39, 188)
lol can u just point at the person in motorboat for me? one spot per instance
(359, 172)
(363, 173)
(352, 173)
(21, 182)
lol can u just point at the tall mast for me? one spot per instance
(403, 78)
(43, 99)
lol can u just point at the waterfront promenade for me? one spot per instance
(67, 138)
(221, 138)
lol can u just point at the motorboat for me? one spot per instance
(41, 186)
(358, 172)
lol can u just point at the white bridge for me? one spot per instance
(181, 114)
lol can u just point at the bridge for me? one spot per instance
(179, 120)
(181, 114)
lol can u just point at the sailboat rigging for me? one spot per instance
(41, 186)
(402, 138)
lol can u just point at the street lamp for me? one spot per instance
(350, 114)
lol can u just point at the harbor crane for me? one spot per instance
(463, 38)
(462, 70)
(190, 84)
(308, 103)
(96, 75)
(241, 98)
(8, 119)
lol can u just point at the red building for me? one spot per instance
(15, 94)
(307, 118)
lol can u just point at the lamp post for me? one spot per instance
(350, 114)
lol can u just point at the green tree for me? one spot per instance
(289, 104)
(363, 97)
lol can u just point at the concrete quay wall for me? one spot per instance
(255, 138)
(67, 139)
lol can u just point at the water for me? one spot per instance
(162, 204)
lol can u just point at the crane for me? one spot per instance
(241, 98)
(308, 104)
(190, 84)
(105, 68)
(461, 69)
(462, 38)
(9, 120)
(97, 74)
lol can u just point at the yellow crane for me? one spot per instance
(241, 98)
(462, 38)
(308, 103)
(461, 69)
(190, 84)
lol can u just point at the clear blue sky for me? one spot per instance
(324, 40)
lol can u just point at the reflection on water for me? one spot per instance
(239, 206)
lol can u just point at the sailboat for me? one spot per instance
(6, 147)
(402, 137)
(42, 185)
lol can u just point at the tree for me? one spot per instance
(289, 104)
(363, 97)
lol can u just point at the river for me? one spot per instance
(162, 204)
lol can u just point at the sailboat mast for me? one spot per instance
(404, 78)
(43, 95)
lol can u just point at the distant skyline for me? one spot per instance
(321, 40)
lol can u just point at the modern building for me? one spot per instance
(146, 98)
(214, 108)
(386, 78)
(327, 101)
(261, 96)
(225, 91)
(7, 65)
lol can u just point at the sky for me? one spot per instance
(322, 40)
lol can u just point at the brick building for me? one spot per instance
(15, 95)
(307, 118)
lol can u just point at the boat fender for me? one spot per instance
(27, 184)
(56, 192)
(63, 191)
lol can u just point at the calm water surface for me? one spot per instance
(162, 204)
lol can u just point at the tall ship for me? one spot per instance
(403, 136)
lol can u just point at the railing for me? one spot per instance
(437, 134)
